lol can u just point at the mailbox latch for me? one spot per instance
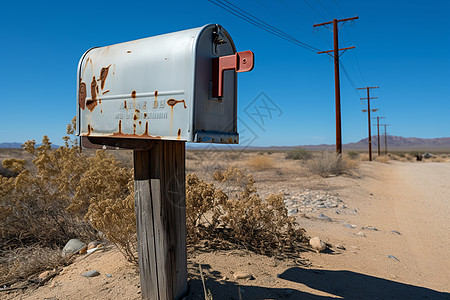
(240, 62)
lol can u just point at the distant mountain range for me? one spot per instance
(15, 145)
(393, 142)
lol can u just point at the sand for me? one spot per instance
(412, 199)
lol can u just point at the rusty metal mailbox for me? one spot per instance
(176, 86)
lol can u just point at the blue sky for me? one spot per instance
(401, 46)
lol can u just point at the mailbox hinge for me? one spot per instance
(240, 62)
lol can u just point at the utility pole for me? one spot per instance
(385, 138)
(378, 133)
(336, 75)
(368, 114)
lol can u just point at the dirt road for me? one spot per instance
(419, 195)
(408, 254)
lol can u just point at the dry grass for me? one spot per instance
(260, 162)
(21, 263)
(382, 159)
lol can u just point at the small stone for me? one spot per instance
(92, 245)
(52, 285)
(337, 212)
(108, 275)
(340, 246)
(91, 273)
(44, 275)
(73, 246)
(370, 228)
(349, 226)
(83, 250)
(293, 211)
(243, 275)
(323, 217)
(396, 232)
(317, 244)
(393, 257)
(224, 278)
(360, 233)
(354, 211)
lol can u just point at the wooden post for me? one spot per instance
(160, 198)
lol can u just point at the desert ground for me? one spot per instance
(385, 224)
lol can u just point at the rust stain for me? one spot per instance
(230, 140)
(155, 103)
(89, 128)
(134, 129)
(92, 103)
(103, 75)
(179, 133)
(173, 102)
(133, 95)
(135, 117)
(140, 123)
(134, 135)
(105, 92)
(82, 95)
(125, 104)
(146, 129)
(145, 115)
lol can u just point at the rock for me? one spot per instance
(340, 246)
(317, 244)
(108, 275)
(243, 275)
(73, 246)
(292, 211)
(370, 228)
(92, 245)
(91, 273)
(43, 275)
(393, 257)
(224, 278)
(354, 211)
(360, 233)
(323, 217)
(395, 232)
(83, 250)
(349, 226)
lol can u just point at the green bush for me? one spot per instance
(299, 154)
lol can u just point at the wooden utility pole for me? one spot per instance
(385, 138)
(160, 198)
(378, 133)
(336, 75)
(368, 114)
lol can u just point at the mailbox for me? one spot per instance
(176, 86)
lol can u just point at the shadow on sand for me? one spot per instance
(340, 284)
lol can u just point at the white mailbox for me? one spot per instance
(176, 86)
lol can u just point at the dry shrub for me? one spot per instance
(260, 162)
(21, 263)
(364, 157)
(64, 194)
(299, 154)
(236, 214)
(382, 159)
(352, 154)
(327, 164)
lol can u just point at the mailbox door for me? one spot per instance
(214, 119)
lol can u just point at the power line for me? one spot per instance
(233, 9)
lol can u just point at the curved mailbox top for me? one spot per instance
(160, 87)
